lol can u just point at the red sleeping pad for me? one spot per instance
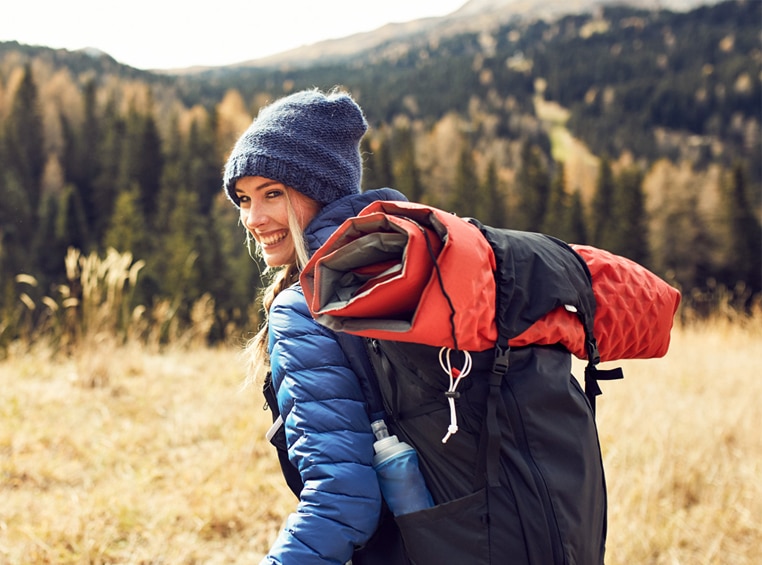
(382, 275)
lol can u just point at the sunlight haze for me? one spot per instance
(154, 34)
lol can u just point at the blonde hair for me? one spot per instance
(256, 352)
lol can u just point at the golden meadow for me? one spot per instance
(125, 439)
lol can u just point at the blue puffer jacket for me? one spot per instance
(327, 426)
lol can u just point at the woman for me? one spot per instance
(295, 175)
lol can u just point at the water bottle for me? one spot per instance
(396, 464)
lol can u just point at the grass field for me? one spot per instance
(123, 456)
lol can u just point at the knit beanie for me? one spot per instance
(309, 141)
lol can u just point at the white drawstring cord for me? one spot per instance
(446, 364)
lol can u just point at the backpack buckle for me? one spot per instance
(501, 363)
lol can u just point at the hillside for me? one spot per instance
(685, 74)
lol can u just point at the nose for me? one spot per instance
(252, 217)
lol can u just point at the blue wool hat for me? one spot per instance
(309, 141)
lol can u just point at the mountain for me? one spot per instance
(473, 16)
(554, 8)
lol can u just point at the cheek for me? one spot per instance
(243, 216)
(306, 212)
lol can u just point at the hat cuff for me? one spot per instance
(289, 174)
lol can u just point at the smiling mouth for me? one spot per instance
(267, 241)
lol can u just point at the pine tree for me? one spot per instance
(108, 183)
(51, 250)
(746, 260)
(176, 261)
(631, 229)
(465, 194)
(127, 230)
(578, 228)
(22, 160)
(532, 187)
(203, 168)
(407, 178)
(17, 227)
(79, 154)
(603, 209)
(71, 222)
(685, 246)
(149, 165)
(142, 160)
(492, 206)
(24, 138)
(556, 221)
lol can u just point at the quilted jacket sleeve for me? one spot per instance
(329, 439)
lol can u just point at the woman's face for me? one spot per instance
(264, 212)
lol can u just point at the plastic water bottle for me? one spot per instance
(396, 464)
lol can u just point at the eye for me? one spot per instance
(274, 193)
(242, 198)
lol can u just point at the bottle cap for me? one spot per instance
(387, 448)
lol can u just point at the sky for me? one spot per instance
(167, 34)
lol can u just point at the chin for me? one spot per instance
(277, 260)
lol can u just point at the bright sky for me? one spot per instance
(162, 34)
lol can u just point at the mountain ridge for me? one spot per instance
(475, 15)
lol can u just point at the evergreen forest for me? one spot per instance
(636, 131)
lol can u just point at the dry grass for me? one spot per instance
(129, 457)
(125, 456)
(683, 451)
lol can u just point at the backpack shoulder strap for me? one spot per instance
(276, 435)
(354, 348)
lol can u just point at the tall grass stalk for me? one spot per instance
(106, 288)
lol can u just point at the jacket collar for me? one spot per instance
(332, 215)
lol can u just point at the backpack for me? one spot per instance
(454, 327)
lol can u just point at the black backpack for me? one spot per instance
(522, 479)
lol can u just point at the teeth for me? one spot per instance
(273, 239)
